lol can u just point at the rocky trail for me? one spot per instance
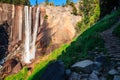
(104, 67)
(112, 43)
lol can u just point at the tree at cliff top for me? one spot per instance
(17, 2)
(46, 2)
(68, 2)
(90, 10)
(36, 2)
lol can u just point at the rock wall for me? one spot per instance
(56, 25)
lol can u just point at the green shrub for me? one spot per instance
(74, 10)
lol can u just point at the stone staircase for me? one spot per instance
(112, 43)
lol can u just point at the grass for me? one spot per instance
(69, 53)
(88, 41)
(116, 31)
(39, 68)
(19, 76)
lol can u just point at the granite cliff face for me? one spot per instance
(33, 30)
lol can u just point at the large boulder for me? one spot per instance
(113, 72)
(54, 71)
(84, 66)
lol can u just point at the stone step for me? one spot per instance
(114, 55)
(113, 52)
(115, 59)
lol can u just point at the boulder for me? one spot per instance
(84, 66)
(116, 77)
(93, 76)
(102, 78)
(75, 76)
(113, 72)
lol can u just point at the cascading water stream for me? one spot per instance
(33, 47)
(26, 57)
(29, 45)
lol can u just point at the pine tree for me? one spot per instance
(17, 2)
(46, 2)
(36, 2)
(68, 2)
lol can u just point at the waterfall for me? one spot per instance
(26, 57)
(33, 47)
(30, 40)
(30, 14)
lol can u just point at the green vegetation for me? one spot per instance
(74, 10)
(19, 76)
(76, 51)
(16, 2)
(88, 41)
(49, 3)
(90, 10)
(36, 2)
(46, 17)
(107, 6)
(116, 31)
(39, 68)
(68, 2)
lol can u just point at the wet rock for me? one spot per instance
(17, 68)
(113, 72)
(102, 78)
(85, 66)
(9, 65)
(74, 76)
(116, 77)
(2, 61)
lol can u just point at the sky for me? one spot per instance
(56, 2)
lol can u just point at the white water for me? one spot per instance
(30, 14)
(29, 45)
(26, 57)
(33, 47)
